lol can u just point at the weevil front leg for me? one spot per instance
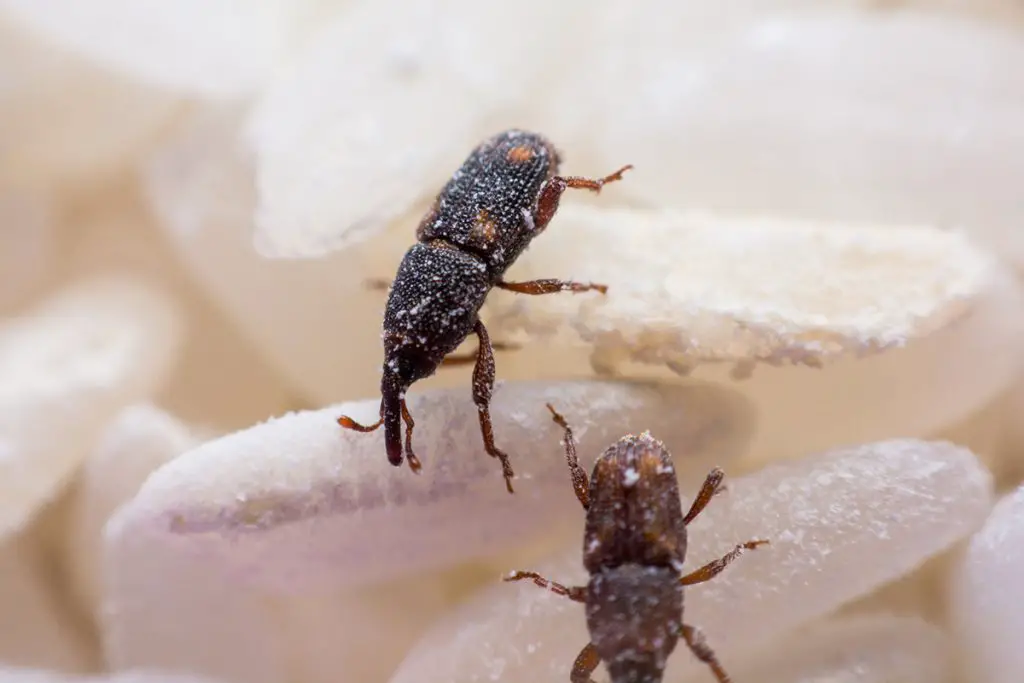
(394, 450)
(711, 487)
(586, 661)
(716, 567)
(575, 593)
(551, 193)
(483, 388)
(699, 647)
(414, 462)
(580, 483)
(348, 423)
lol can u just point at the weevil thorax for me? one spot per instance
(431, 309)
(635, 514)
(634, 616)
(488, 205)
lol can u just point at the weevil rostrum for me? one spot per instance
(504, 195)
(634, 546)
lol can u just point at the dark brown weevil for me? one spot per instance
(633, 548)
(503, 195)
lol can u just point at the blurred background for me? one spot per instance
(192, 195)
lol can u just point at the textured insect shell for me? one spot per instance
(488, 205)
(431, 309)
(634, 616)
(635, 513)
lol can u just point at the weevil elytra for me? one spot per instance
(503, 195)
(634, 545)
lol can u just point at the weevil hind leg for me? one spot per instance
(550, 286)
(594, 184)
(716, 567)
(551, 193)
(580, 483)
(574, 593)
(585, 664)
(457, 359)
(483, 388)
(701, 650)
(711, 487)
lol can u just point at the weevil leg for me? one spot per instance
(586, 661)
(414, 462)
(580, 483)
(575, 593)
(595, 184)
(377, 284)
(457, 359)
(716, 567)
(552, 191)
(483, 387)
(348, 423)
(551, 286)
(701, 650)
(707, 492)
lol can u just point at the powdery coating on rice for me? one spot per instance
(753, 289)
(297, 498)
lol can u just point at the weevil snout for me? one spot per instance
(393, 436)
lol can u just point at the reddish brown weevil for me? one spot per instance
(634, 545)
(503, 195)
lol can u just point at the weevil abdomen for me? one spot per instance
(432, 307)
(635, 514)
(634, 614)
(488, 205)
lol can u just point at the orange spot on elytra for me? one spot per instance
(520, 154)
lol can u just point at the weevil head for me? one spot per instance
(404, 365)
(634, 614)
